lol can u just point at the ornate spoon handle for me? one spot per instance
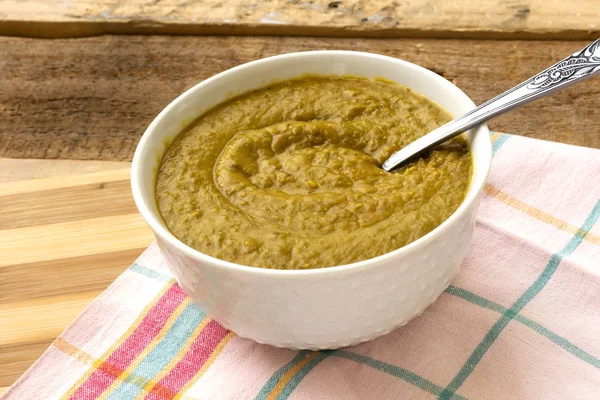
(573, 69)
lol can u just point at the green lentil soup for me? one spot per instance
(289, 176)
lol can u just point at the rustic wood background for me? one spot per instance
(92, 98)
(500, 19)
(72, 109)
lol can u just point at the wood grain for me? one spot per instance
(53, 277)
(16, 359)
(63, 181)
(30, 326)
(14, 170)
(63, 241)
(92, 98)
(70, 204)
(22, 323)
(73, 238)
(381, 18)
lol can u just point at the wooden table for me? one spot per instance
(73, 107)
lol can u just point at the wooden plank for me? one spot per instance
(14, 170)
(64, 275)
(73, 239)
(68, 204)
(380, 18)
(92, 98)
(64, 182)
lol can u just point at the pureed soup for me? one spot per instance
(289, 176)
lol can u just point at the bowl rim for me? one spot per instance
(155, 222)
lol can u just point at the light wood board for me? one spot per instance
(12, 170)
(556, 19)
(63, 240)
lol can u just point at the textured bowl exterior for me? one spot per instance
(325, 313)
(325, 308)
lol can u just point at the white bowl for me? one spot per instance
(319, 308)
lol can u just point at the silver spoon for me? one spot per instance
(573, 69)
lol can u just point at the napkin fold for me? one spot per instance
(520, 321)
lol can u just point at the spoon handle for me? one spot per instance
(573, 69)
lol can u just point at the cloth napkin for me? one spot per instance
(520, 321)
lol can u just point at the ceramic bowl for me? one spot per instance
(320, 308)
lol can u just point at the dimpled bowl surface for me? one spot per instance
(320, 308)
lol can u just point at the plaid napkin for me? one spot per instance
(520, 321)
